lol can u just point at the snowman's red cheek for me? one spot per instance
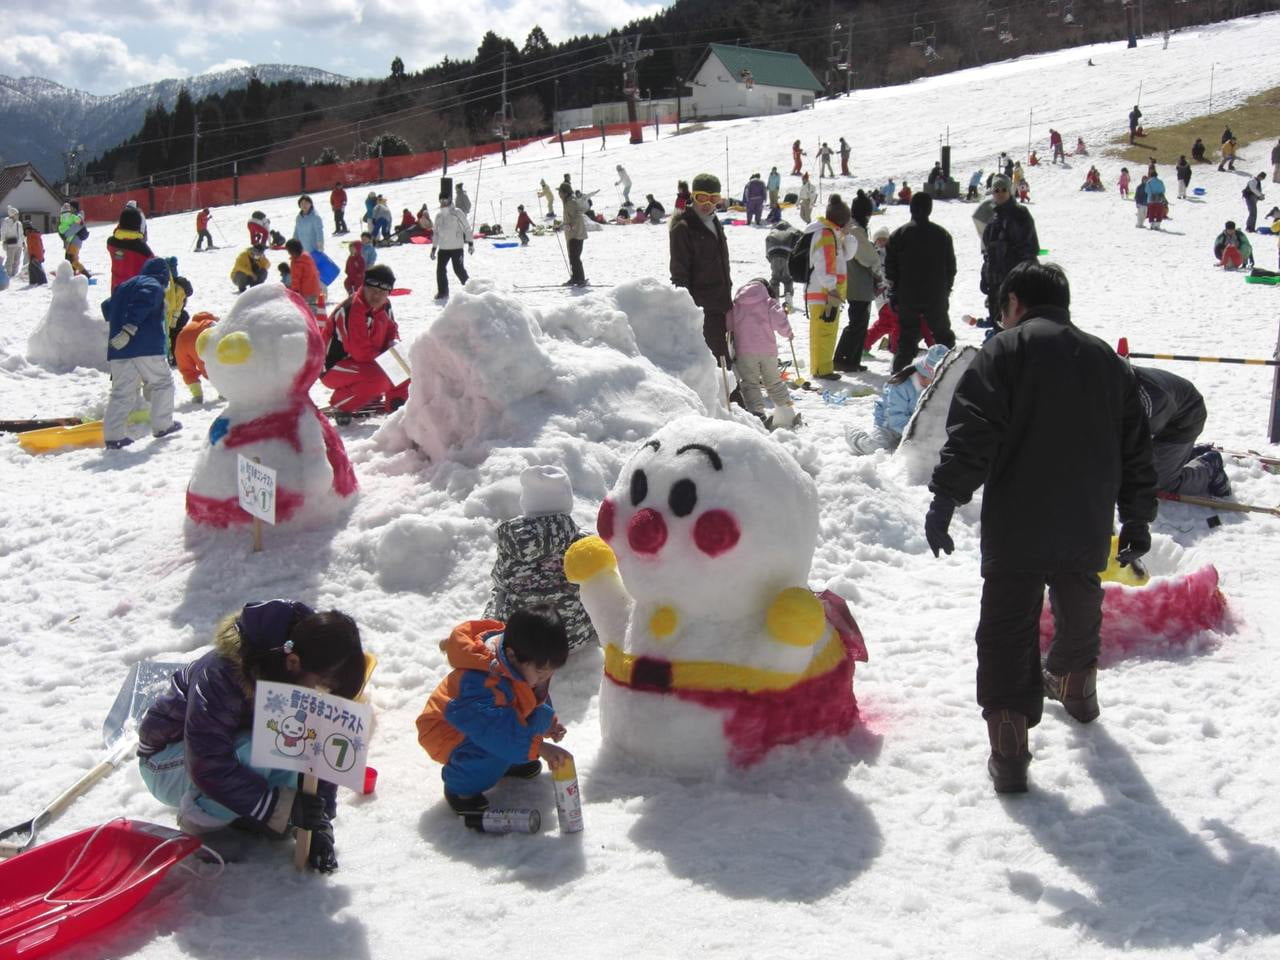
(715, 532)
(604, 521)
(647, 531)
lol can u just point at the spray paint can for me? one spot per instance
(568, 800)
(505, 821)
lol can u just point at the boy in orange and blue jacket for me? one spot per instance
(487, 719)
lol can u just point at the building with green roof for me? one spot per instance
(745, 82)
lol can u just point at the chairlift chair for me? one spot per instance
(989, 26)
(1051, 9)
(917, 32)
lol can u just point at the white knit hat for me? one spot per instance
(544, 490)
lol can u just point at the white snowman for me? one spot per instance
(263, 358)
(715, 649)
(69, 335)
(292, 734)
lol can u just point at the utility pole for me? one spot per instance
(506, 107)
(195, 160)
(848, 59)
(831, 42)
(626, 51)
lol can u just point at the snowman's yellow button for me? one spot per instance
(663, 622)
(234, 348)
(796, 617)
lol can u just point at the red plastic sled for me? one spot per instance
(419, 239)
(66, 890)
(401, 292)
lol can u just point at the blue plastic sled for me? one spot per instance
(327, 269)
(1198, 191)
(513, 244)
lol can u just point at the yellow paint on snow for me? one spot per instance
(663, 622)
(586, 558)
(796, 618)
(234, 348)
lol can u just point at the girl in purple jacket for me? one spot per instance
(194, 742)
(753, 320)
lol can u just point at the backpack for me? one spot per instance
(798, 260)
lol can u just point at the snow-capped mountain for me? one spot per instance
(42, 119)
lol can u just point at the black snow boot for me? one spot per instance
(1076, 691)
(525, 771)
(1010, 757)
(477, 803)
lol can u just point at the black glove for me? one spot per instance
(433, 253)
(471, 247)
(309, 811)
(1135, 541)
(936, 522)
(322, 856)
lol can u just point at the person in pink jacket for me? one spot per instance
(753, 320)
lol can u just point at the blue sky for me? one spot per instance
(114, 45)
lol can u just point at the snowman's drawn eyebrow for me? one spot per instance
(711, 454)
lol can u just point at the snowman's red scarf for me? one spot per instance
(756, 722)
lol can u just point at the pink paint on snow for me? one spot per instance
(1168, 614)
(221, 514)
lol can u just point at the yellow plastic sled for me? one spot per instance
(62, 438)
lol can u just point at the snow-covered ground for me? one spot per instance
(1152, 830)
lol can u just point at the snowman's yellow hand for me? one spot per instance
(796, 617)
(589, 556)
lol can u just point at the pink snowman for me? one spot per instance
(263, 358)
(716, 651)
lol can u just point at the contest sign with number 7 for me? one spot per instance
(312, 732)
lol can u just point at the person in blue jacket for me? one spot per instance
(896, 404)
(489, 717)
(137, 340)
(194, 742)
(308, 228)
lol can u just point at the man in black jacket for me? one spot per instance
(700, 261)
(1049, 419)
(1176, 413)
(920, 264)
(1008, 239)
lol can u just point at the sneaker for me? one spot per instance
(171, 428)
(477, 803)
(525, 771)
(828, 376)
(342, 419)
(117, 444)
(1076, 691)
(1010, 758)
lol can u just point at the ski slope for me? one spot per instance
(1152, 831)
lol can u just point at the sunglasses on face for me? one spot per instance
(700, 197)
(377, 286)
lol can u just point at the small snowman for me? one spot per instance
(715, 649)
(263, 358)
(70, 335)
(292, 734)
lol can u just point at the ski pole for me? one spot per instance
(221, 235)
(1268, 463)
(724, 377)
(795, 364)
(1216, 503)
(561, 246)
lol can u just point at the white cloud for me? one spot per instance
(90, 61)
(232, 63)
(180, 35)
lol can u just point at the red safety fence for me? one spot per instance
(181, 198)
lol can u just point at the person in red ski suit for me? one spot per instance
(796, 154)
(355, 268)
(361, 329)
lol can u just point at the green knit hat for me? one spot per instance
(706, 183)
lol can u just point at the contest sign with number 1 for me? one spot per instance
(257, 488)
(297, 728)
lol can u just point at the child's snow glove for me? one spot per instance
(309, 814)
(121, 339)
(1135, 541)
(936, 522)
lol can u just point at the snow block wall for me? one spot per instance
(927, 429)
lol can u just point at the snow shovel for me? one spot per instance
(145, 682)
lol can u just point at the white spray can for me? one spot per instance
(568, 800)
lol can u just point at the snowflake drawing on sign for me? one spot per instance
(317, 749)
(276, 702)
(358, 744)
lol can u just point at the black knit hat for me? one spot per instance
(380, 276)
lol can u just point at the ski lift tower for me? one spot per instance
(626, 51)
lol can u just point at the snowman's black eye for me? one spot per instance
(639, 488)
(683, 497)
